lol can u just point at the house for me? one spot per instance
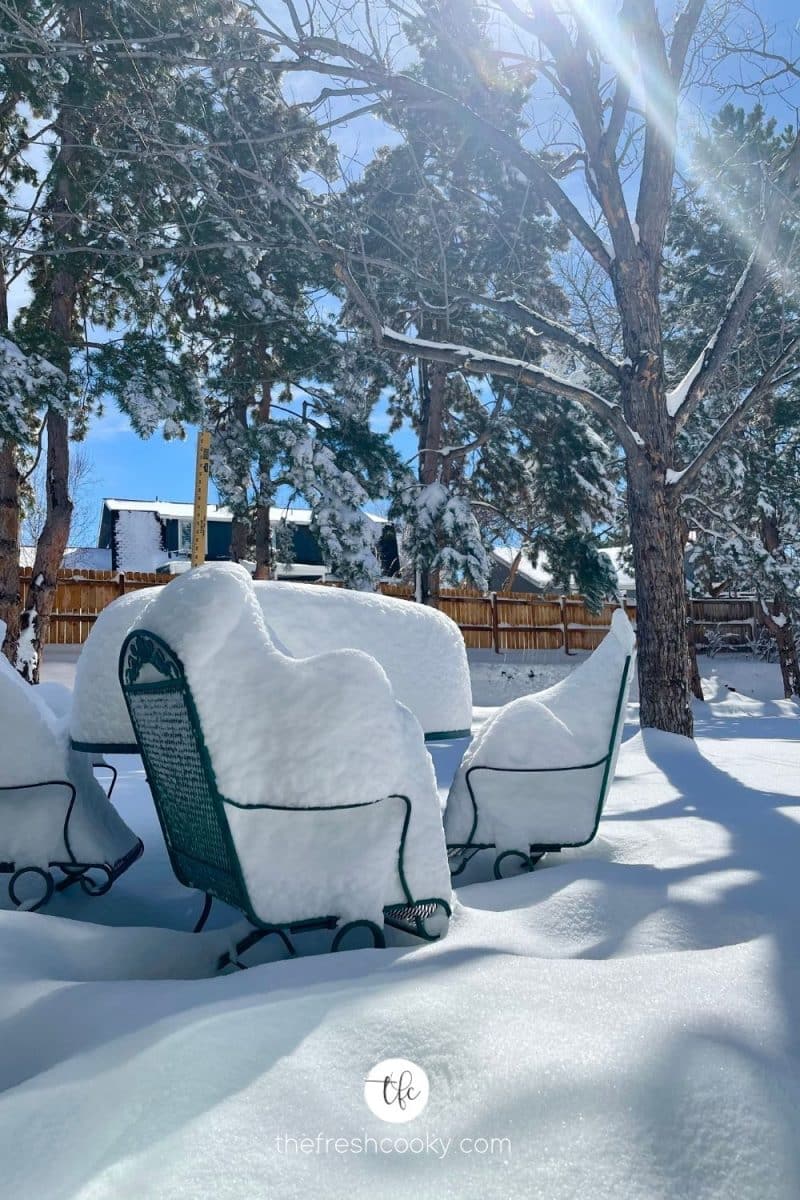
(156, 535)
(535, 576)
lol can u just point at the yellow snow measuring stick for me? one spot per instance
(200, 522)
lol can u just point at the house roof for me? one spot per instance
(183, 510)
(539, 575)
(90, 558)
(536, 573)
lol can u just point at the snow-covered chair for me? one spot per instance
(536, 776)
(297, 790)
(54, 815)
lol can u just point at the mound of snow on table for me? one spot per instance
(303, 733)
(421, 650)
(568, 725)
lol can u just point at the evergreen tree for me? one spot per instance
(248, 292)
(744, 510)
(438, 221)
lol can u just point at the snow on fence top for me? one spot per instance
(312, 732)
(421, 650)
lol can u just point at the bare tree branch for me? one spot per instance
(685, 397)
(549, 329)
(681, 480)
(477, 362)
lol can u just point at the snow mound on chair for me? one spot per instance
(313, 732)
(567, 725)
(34, 749)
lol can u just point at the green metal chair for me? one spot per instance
(593, 778)
(194, 815)
(94, 878)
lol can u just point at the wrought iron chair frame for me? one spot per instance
(462, 853)
(143, 648)
(73, 870)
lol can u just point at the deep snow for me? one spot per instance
(627, 1015)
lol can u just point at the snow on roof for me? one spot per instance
(538, 573)
(183, 510)
(168, 508)
(90, 558)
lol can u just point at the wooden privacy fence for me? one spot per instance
(81, 595)
(497, 621)
(521, 620)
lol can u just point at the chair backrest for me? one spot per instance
(489, 792)
(179, 770)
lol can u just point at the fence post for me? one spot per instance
(495, 633)
(564, 623)
(121, 583)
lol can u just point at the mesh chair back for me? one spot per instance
(179, 769)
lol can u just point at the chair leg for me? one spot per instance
(231, 957)
(201, 920)
(461, 856)
(528, 863)
(379, 941)
(18, 901)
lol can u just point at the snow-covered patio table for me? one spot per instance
(421, 651)
(297, 790)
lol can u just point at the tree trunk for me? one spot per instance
(695, 682)
(433, 382)
(663, 649)
(240, 526)
(262, 531)
(776, 616)
(9, 521)
(656, 528)
(9, 549)
(777, 620)
(35, 619)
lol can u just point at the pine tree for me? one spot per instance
(110, 119)
(248, 291)
(744, 510)
(438, 220)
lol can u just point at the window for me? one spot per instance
(184, 537)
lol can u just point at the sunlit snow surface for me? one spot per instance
(628, 1015)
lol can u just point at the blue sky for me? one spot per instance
(128, 467)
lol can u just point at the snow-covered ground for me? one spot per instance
(623, 1022)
